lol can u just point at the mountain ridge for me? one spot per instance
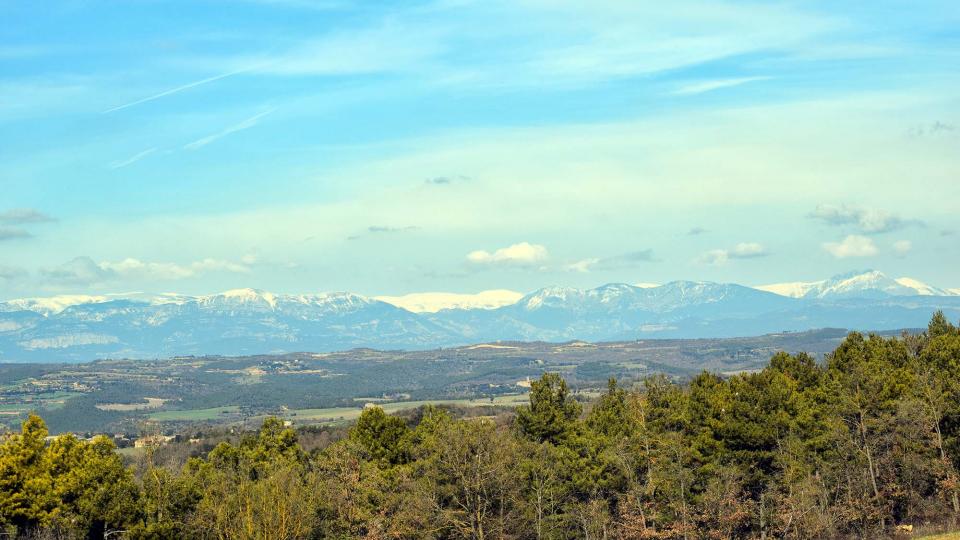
(850, 284)
(252, 321)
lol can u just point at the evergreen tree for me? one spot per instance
(552, 412)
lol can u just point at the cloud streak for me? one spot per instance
(20, 216)
(743, 250)
(709, 86)
(618, 262)
(13, 233)
(245, 124)
(181, 88)
(382, 229)
(132, 159)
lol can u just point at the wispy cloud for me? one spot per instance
(137, 269)
(696, 231)
(19, 216)
(382, 229)
(743, 250)
(181, 88)
(851, 246)
(701, 87)
(132, 159)
(390, 47)
(866, 220)
(245, 124)
(13, 233)
(627, 260)
(85, 271)
(77, 271)
(934, 129)
(11, 272)
(902, 247)
(446, 180)
(321, 5)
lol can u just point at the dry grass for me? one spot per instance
(148, 403)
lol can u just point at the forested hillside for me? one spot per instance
(853, 447)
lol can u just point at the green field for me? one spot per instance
(334, 415)
(341, 414)
(194, 415)
(52, 400)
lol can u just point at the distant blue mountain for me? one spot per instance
(248, 321)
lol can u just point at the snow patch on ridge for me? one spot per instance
(870, 283)
(53, 304)
(432, 302)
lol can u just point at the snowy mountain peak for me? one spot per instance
(548, 296)
(51, 305)
(240, 297)
(862, 284)
(433, 302)
(332, 301)
(922, 288)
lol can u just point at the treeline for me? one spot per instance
(853, 447)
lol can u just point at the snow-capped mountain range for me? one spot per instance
(870, 283)
(248, 321)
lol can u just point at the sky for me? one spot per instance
(398, 147)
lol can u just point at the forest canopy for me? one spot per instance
(853, 446)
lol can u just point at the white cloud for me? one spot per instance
(522, 254)
(902, 247)
(851, 246)
(706, 86)
(583, 265)
(747, 250)
(715, 256)
(743, 250)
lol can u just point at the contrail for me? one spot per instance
(246, 124)
(133, 159)
(177, 89)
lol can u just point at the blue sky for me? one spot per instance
(395, 147)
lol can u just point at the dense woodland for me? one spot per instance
(851, 447)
